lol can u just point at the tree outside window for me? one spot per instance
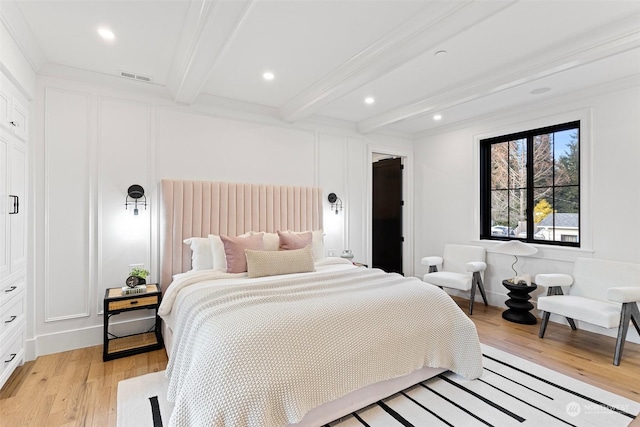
(530, 186)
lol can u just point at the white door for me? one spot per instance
(17, 214)
(18, 120)
(5, 205)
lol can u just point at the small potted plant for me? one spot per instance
(141, 274)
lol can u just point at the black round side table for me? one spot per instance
(518, 303)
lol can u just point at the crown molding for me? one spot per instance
(579, 51)
(628, 82)
(436, 22)
(13, 20)
(208, 31)
(220, 102)
(106, 80)
(242, 110)
(206, 104)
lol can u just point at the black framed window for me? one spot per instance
(530, 186)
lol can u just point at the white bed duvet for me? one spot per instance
(263, 352)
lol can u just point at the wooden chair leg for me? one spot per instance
(629, 313)
(472, 297)
(543, 324)
(478, 279)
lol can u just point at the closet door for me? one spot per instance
(18, 120)
(5, 110)
(6, 205)
(13, 247)
(17, 216)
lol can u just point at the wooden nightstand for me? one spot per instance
(116, 303)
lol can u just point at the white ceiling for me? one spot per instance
(327, 56)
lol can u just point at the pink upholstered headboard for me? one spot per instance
(199, 208)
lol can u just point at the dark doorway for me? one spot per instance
(387, 215)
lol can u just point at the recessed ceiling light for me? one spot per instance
(540, 90)
(369, 100)
(437, 117)
(106, 34)
(268, 75)
(441, 53)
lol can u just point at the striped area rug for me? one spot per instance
(511, 392)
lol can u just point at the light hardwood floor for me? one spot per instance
(76, 388)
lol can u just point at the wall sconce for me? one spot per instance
(134, 194)
(335, 201)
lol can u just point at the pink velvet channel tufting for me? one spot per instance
(199, 208)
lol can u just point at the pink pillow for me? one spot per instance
(234, 251)
(292, 241)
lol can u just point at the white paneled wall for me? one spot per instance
(447, 183)
(93, 142)
(197, 146)
(124, 137)
(332, 161)
(67, 241)
(358, 199)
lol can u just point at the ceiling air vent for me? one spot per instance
(135, 77)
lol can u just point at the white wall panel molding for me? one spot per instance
(153, 192)
(332, 168)
(124, 132)
(578, 52)
(316, 162)
(67, 243)
(356, 194)
(436, 23)
(208, 32)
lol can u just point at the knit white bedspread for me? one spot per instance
(263, 352)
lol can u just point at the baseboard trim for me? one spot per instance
(87, 337)
(80, 338)
(496, 299)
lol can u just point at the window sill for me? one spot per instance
(547, 252)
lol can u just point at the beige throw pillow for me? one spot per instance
(272, 263)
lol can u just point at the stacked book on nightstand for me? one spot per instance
(140, 289)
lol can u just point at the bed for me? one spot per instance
(298, 349)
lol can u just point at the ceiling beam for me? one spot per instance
(207, 33)
(435, 23)
(624, 35)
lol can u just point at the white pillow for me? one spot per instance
(317, 242)
(218, 256)
(271, 241)
(201, 256)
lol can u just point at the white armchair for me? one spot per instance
(592, 299)
(461, 267)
